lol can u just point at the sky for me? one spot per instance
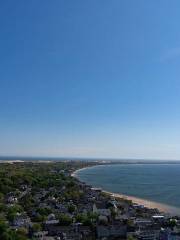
(90, 78)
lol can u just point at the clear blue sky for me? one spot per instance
(90, 78)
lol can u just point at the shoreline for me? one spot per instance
(163, 208)
(74, 174)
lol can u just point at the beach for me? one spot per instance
(163, 208)
(146, 203)
(74, 174)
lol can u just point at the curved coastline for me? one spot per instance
(164, 208)
(74, 174)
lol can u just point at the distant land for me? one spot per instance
(99, 160)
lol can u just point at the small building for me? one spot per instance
(148, 235)
(104, 212)
(22, 220)
(111, 231)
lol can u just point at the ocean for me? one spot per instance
(154, 182)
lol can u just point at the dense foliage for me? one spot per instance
(20, 185)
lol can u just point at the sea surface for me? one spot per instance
(155, 182)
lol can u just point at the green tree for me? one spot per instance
(71, 208)
(64, 220)
(36, 227)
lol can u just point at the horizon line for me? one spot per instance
(26, 157)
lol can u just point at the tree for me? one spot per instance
(1, 197)
(36, 227)
(7, 234)
(130, 237)
(71, 208)
(172, 223)
(85, 219)
(22, 232)
(3, 226)
(44, 211)
(64, 220)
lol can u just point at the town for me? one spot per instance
(43, 201)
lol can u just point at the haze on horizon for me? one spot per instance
(90, 78)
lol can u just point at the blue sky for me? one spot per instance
(90, 78)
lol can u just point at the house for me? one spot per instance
(148, 234)
(69, 232)
(12, 199)
(104, 211)
(98, 190)
(158, 218)
(176, 229)
(164, 234)
(138, 206)
(50, 238)
(51, 216)
(40, 235)
(61, 207)
(52, 222)
(51, 219)
(22, 220)
(119, 216)
(141, 222)
(103, 219)
(111, 231)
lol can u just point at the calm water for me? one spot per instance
(155, 182)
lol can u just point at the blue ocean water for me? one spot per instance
(154, 182)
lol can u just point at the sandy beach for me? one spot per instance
(74, 174)
(172, 211)
(149, 204)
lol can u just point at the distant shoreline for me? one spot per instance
(164, 208)
(74, 174)
(92, 159)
